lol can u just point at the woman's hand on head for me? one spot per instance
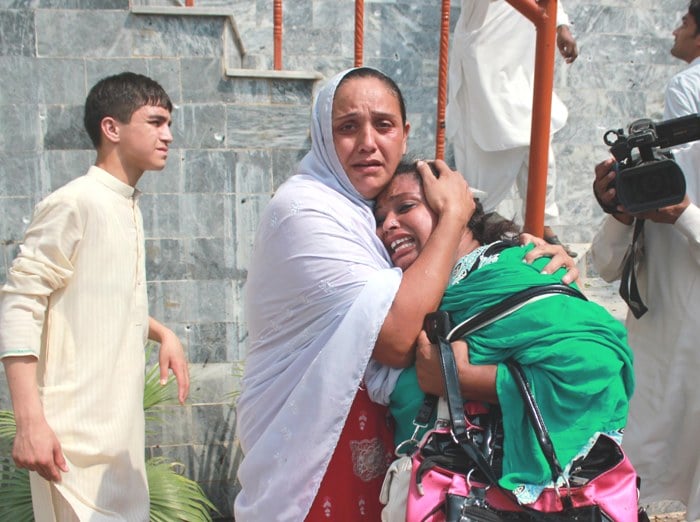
(447, 194)
(557, 253)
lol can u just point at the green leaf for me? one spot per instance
(175, 497)
(7, 431)
(16, 497)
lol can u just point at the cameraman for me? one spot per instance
(661, 437)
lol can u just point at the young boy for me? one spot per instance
(74, 319)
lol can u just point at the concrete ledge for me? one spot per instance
(281, 75)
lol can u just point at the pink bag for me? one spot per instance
(439, 494)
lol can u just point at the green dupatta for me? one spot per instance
(574, 353)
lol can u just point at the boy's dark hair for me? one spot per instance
(486, 227)
(119, 96)
(694, 10)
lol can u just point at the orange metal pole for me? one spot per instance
(359, 31)
(189, 3)
(543, 13)
(442, 81)
(277, 33)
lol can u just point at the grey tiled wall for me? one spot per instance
(237, 138)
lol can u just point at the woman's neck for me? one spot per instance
(467, 244)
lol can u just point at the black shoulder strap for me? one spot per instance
(455, 404)
(628, 282)
(535, 416)
(507, 305)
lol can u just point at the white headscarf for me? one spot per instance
(319, 287)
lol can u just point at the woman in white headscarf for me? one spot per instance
(328, 315)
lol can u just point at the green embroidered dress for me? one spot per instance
(573, 352)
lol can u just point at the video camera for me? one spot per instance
(650, 179)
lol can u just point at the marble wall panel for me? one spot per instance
(165, 260)
(190, 301)
(266, 126)
(168, 180)
(82, 33)
(63, 81)
(291, 92)
(19, 127)
(184, 215)
(58, 167)
(208, 343)
(15, 214)
(171, 36)
(18, 34)
(63, 128)
(284, 162)
(19, 174)
(203, 81)
(248, 210)
(200, 126)
(209, 171)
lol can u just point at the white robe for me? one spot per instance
(489, 108)
(319, 287)
(75, 298)
(662, 437)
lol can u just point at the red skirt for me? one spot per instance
(350, 488)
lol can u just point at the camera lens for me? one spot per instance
(651, 185)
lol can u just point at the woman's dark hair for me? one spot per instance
(368, 72)
(119, 96)
(486, 227)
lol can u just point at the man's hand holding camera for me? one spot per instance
(604, 190)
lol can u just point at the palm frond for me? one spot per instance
(238, 373)
(16, 498)
(175, 497)
(7, 431)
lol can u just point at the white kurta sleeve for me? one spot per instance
(562, 17)
(689, 225)
(609, 246)
(43, 265)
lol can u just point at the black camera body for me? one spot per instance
(650, 178)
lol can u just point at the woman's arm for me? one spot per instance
(476, 382)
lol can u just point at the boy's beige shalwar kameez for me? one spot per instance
(75, 298)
